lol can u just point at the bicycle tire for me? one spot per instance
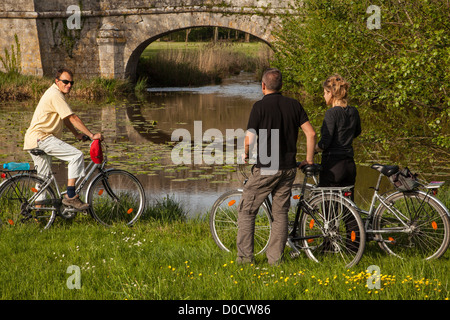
(337, 232)
(116, 196)
(428, 227)
(223, 223)
(15, 209)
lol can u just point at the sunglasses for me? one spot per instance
(66, 81)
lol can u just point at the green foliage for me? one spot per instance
(12, 62)
(399, 73)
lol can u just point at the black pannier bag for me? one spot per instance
(404, 180)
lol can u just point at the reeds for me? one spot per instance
(17, 87)
(202, 64)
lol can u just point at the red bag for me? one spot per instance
(96, 151)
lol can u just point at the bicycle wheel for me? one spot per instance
(116, 196)
(16, 207)
(412, 224)
(332, 230)
(223, 223)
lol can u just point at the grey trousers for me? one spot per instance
(59, 149)
(257, 188)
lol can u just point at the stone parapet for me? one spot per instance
(113, 34)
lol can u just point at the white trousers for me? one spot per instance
(57, 148)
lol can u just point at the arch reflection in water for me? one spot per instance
(222, 107)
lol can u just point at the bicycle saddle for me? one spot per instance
(311, 169)
(386, 170)
(37, 152)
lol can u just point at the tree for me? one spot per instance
(400, 72)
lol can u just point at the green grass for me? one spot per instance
(178, 260)
(18, 87)
(250, 49)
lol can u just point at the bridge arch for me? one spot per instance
(141, 36)
(112, 34)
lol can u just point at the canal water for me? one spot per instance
(138, 135)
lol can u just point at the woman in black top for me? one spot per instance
(341, 124)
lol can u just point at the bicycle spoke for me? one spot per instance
(17, 207)
(424, 231)
(224, 223)
(116, 196)
(332, 231)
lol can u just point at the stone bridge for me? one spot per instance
(105, 38)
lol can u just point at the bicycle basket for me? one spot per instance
(96, 152)
(404, 180)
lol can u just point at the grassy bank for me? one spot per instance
(179, 260)
(17, 87)
(167, 258)
(199, 63)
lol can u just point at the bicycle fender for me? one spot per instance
(341, 198)
(438, 202)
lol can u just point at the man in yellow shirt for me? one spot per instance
(45, 132)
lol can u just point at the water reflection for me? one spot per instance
(222, 107)
(138, 135)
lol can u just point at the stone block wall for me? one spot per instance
(114, 33)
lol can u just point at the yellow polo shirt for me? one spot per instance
(48, 117)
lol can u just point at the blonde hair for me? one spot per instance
(338, 87)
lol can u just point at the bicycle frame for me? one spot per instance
(399, 215)
(51, 179)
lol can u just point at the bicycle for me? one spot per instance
(326, 224)
(113, 195)
(407, 222)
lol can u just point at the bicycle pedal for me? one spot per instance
(294, 255)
